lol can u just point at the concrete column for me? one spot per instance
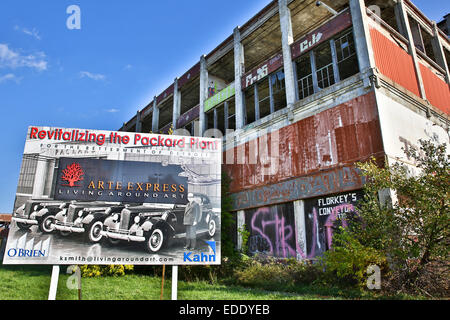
(412, 47)
(40, 178)
(256, 98)
(312, 59)
(337, 77)
(176, 104)
(361, 34)
(439, 51)
(240, 225)
(226, 115)
(286, 40)
(271, 100)
(203, 95)
(138, 122)
(239, 70)
(155, 117)
(400, 22)
(300, 232)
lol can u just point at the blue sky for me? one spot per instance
(97, 77)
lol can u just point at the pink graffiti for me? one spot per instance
(329, 224)
(334, 215)
(283, 233)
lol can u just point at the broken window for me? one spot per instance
(324, 66)
(263, 98)
(278, 90)
(250, 105)
(331, 62)
(230, 115)
(222, 117)
(304, 77)
(346, 55)
(190, 128)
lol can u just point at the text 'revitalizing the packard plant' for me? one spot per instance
(125, 138)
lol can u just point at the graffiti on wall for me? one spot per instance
(323, 215)
(272, 231)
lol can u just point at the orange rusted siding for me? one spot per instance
(436, 89)
(394, 62)
(335, 137)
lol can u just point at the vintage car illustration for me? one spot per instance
(40, 212)
(155, 226)
(85, 217)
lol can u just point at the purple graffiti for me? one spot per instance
(329, 224)
(271, 234)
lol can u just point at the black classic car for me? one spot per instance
(40, 212)
(85, 217)
(156, 225)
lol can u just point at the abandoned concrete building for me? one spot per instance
(301, 92)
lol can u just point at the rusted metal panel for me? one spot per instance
(394, 62)
(321, 34)
(166, 93)
(330, 139)
(5, 218)
(188, 116)
(332, 181)
(263, 70)
(190, 74)
(437, 90)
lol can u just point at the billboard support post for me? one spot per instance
(53, 283)
(162, 282)
(174, 282)
(79, 282)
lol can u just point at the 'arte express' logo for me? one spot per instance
(72, 173)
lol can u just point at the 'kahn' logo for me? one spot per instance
(202, 257)
(72, 173)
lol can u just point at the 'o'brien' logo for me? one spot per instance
(72, 173)
(27, 248)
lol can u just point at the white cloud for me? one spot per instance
(33, 32)
(93, 76)
(9, 77)
(14, 59)
(112, 110)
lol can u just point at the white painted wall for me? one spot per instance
(401, 127)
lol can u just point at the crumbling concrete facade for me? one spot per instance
(300, 93)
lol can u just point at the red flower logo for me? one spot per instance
(72, 173)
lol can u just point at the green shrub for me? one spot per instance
(277, 274)
(347, 262)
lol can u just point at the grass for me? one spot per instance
(33, 282)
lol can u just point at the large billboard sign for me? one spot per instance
(105, 197)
